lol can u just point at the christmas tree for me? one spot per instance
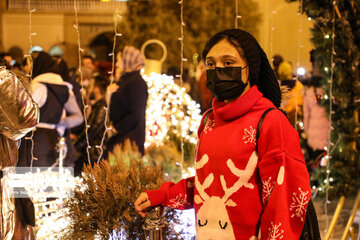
(336, 37)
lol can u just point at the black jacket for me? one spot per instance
(127, 110)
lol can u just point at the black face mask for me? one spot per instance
(225, 83)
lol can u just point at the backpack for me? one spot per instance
(310, 230)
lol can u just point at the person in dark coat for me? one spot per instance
(128, 102)
(54, 97)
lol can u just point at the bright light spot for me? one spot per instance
(301, 124)
(325, 148)
(314, 187)
(320, 189)
(309, 18)
(331, 179)
(326, 97)
(327, 36)
(301, 71)
(326, 69)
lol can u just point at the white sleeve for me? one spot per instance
(39, 93)
(75, 117)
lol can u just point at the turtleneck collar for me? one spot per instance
(237, 108)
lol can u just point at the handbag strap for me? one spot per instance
(206, 117)
(258, 128)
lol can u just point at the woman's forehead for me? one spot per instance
(222, 48)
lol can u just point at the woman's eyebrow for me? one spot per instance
(227, 56)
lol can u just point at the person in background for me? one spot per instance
(316, 122)
(97, 127)
(245, 186)
(7, 60)
(63, 71)
(128, 102)
(276, 60)
(293, 100)
(89, 62)
(55, 98)
(19, 114)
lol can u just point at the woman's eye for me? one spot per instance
(210, 65)
(228, 63)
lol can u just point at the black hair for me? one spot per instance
(102, 83)
(276, 60)
(260, 71)
(44, 63)
(90, 57)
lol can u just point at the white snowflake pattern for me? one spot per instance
(267, 188)
(275, 232)
(249, 135)
(298, 206)
(210, 124)
(178, 202)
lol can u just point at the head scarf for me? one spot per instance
(63, 70)
(132, 59)
(44, 63)
(260, 71)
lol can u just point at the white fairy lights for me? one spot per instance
(182, 60)
(300, 46)
(163, 113)
(112, 76)
(31, 34)
(237, 16)
(329, 150)
(86, 106)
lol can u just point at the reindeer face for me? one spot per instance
(212, 217)
(213, 221)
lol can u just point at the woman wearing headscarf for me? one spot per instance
(128, 102)
(55, 98)
(251, 180)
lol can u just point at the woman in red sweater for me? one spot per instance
(243, 188)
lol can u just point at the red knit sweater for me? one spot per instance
(237, 193)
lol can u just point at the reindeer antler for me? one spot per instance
(244, 177)
(199, 164)
(208, 180)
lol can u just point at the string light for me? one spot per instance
(29, 56)
(272, 28)
(237, 16)
(76, 26)
(112, 76)
(298, 61)
(330, 117)
(182, 60)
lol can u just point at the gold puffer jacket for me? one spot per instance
(19, 114)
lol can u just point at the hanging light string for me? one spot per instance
(272, 28)
(181, 39)
(237, 16)
(298, 62)
(328, 156)
(29, 56)
(112, 77)
(86, 106)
